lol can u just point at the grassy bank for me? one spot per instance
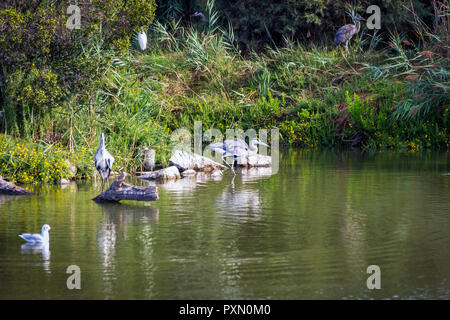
(384, 95)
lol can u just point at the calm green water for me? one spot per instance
(309, 231)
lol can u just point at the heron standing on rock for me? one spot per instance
(236, 148)
(345, 33)
(103, 160)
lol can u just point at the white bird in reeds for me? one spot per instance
(43, 237)
(103, 160)
(142, 39)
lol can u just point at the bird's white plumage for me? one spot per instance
(44, 236)
(142, 39)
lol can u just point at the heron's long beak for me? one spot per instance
(51, 229)
(262, 143)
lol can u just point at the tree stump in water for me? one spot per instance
(9, 188)
(119, 190)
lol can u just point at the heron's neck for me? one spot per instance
(358, 25)
(253, 146)
(102, 144)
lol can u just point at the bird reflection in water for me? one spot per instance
(39, 248)
(114, 226)
(244, 201)
(115, 221)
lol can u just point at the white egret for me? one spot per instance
(142, 39)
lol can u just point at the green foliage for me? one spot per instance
(260, 23)
(23, 162)
(32, 93)
(44, 62)
(395, 98)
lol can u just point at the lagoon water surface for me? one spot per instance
(308, 231)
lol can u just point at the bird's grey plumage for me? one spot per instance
(345, 33)
(199, 14)
(142, 40)
(103, 160)
(37, 237)
(235, 148)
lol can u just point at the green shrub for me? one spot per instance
(24, 162)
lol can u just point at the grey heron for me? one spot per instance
(103, 160)
(236, 148)
(199, 14)
(345, 33)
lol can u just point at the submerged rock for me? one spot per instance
(256, 160)
(163, 174)
(216, 173)
(11, 189)
(188, 173)
(185, 160)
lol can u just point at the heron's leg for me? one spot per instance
(346, 48)
(102, 184)
(232, 170)
(232, 182)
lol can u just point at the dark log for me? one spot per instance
(120, 190)
(9, 188)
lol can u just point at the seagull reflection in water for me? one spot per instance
(42, 248)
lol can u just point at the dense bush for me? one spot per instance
(260, 23)
(43, 61)
(30, 163)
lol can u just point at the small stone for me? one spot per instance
(163, 174)
(188, 173)
(216, 173)
(11, 189)
(149, 159)
(185, 160)
(255, 160)
(64, 181)
(72, 169)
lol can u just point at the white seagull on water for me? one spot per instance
(42, 237)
